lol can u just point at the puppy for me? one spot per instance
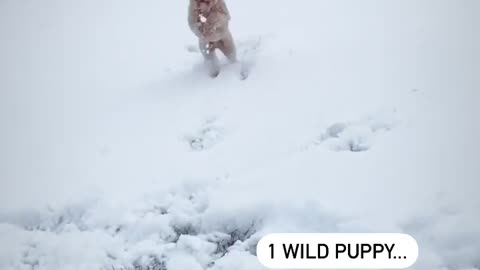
(208, 20)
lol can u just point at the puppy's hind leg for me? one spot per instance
(211, 59)
(227, 46)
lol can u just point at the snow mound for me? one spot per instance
(183, 228)
(169, 230)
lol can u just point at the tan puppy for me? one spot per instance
(208, 20)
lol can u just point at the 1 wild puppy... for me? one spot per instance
(208, 20)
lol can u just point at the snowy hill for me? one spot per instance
(117, 151)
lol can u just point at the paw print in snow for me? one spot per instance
(206, 138)
(351, 138)
(356, 136)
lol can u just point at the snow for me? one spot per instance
(118, 151)
(203, 19)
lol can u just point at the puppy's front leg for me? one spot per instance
(211, 59)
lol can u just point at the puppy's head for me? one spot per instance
(205, 5)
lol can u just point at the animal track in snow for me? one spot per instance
(206, 137)
(356, 136)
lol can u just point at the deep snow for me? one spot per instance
(116, 150)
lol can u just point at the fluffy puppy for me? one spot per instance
(208, 20)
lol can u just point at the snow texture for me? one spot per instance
(117, 152)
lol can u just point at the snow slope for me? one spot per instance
(116, 151)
